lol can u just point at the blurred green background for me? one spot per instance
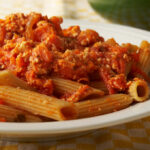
(128, 12)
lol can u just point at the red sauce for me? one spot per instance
(2, 119)
(1, 102)
(35, 47)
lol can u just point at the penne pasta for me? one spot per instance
(130, 47)
(144, 44)
(38, 103)
(103, 105)
(99, 85)
(63, 86)
(139, 90)
(14, 115)
(83, 92)
(144, 60)
(128, 68)
(8, 78)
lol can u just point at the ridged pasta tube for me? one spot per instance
(8, 78)
(144, 58)
(39, 104)
(63, 86)
(139, 90)
(103, 105)
(14, 115)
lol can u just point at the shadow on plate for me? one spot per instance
(41, 137)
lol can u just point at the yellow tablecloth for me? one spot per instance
(134, 135)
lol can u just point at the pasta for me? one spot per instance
(99, 85)
(139, 90)
(50, 73)
(14, 115)
(8, 78)
(37, 103)
(144, 56)
(63, 86)
(103, 105)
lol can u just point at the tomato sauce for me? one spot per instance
(34, 47)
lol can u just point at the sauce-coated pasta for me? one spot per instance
(68, 65)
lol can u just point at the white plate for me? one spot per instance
(63, 129)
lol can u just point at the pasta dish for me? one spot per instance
(49, 73)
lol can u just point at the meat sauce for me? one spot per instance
(34, 47)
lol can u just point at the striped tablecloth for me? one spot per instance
(130, 136)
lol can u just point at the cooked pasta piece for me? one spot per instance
(139, 90)
(144, 44)
(99, 85)
(132, 49)
(14, 115)
(103, 105)
(38, 103)
(83, 92)
(8, 78)
(63, 86)
(144, 58)
(128, 68)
